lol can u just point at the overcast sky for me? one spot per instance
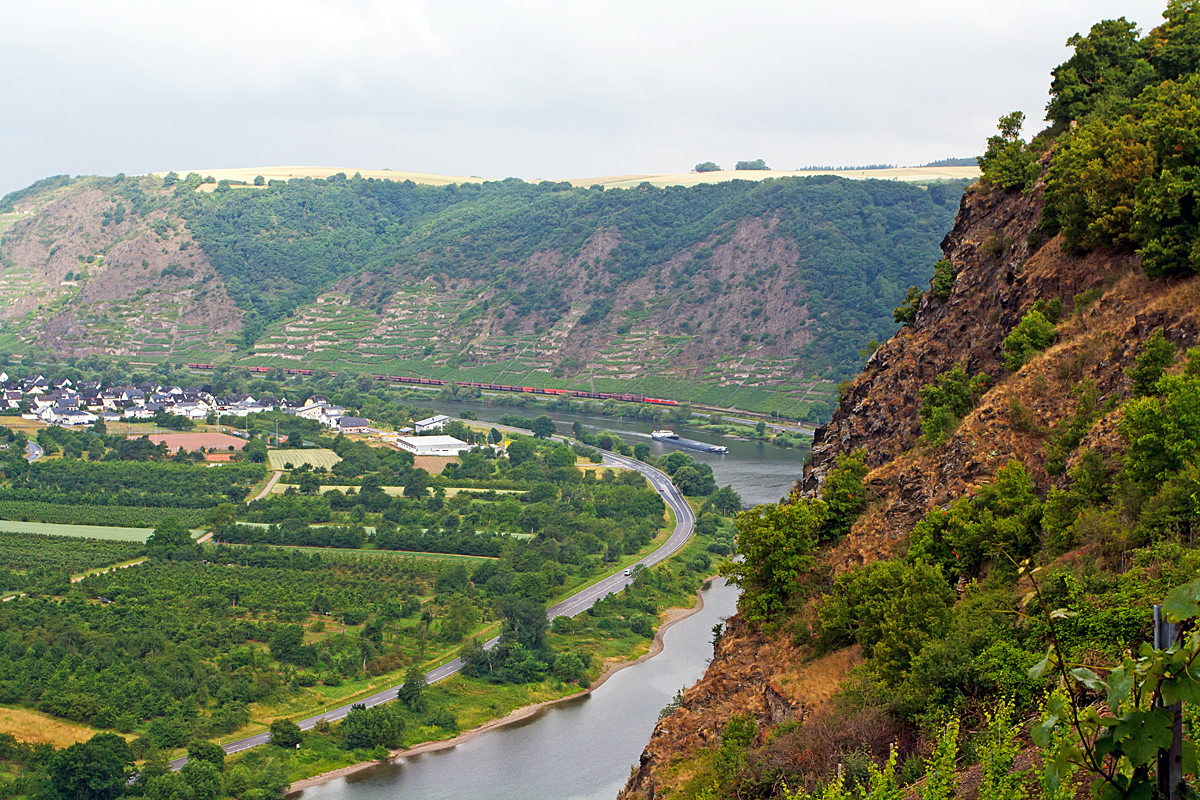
(519, 87)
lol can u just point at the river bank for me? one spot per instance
(673, 616)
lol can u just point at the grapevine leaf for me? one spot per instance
(1038, 670)
(1143, 733)
(1180, 603)
(1120, 684)
(1191, 759)
(1041, 733)
(1181, 687)
(1089, 679)
(1063, 613)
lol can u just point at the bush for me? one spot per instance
(1033, 334)
(943, 279)
(1008, 162)
(906, 312)
(285, 733)
(707, 166)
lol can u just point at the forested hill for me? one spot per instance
(756, 294)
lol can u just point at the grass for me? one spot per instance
(37, 728)
(317, 457)
(82, 531)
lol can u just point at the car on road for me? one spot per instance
(628, 572)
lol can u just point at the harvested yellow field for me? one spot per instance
(248, 175)
(35, 728)
(906, 174)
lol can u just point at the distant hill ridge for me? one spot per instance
(740, 293)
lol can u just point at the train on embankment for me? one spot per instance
(492, 387)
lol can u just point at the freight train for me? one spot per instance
(492, 387)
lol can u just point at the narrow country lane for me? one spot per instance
(685, 522)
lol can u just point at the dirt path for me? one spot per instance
(267, 489)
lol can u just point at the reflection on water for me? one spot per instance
(760, 473)
(581, 750)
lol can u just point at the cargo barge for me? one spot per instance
(671, 437)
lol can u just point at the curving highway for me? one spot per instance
(577, 603)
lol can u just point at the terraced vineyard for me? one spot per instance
(432, 334)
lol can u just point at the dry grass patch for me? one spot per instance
(37, 728)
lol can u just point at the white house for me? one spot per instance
(432, 445)
(433, 423)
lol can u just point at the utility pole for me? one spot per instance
(1170, 761)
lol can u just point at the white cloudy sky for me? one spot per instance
(530, 88)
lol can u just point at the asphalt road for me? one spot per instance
(685, 522)
(33, 451)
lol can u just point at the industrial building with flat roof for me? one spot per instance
(432, 445)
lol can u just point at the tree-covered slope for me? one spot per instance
(752, 293)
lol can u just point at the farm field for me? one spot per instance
(317, 457)
(37, 728)
(194, 441)
(78, 531)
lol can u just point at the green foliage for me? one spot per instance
(757, 163)
(941, 781)
(381, 725)
(1033, 334)
(778, 543)
(707, 166)
(411, 694)
(1162, 434)
(1126, 177)
(278, 248)
(285, 733)
(844, 494)
(1119, 748)
(1009, 163)
(945, 401)
(999, 524)
(1157, 354)
(93, 770)
(200, 750)
(999, 755)
(171, 541)
(27, 551)
(943, 280)
(1102, 66)
(891, 608)
(906, 312)
(727, 501)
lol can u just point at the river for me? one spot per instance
(581, 750)
(759, 472)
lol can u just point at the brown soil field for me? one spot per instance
(194, 441)
(433, 464)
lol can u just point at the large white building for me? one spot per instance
(432, 445)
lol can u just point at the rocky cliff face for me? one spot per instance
(1002, 267)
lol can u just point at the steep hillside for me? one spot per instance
(1038, 410)
(758, 295)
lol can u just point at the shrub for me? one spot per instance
(943, 279)
(707, 166)
(906, 312)
(1033, 334)
(1157, 354)
(1008, 162)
